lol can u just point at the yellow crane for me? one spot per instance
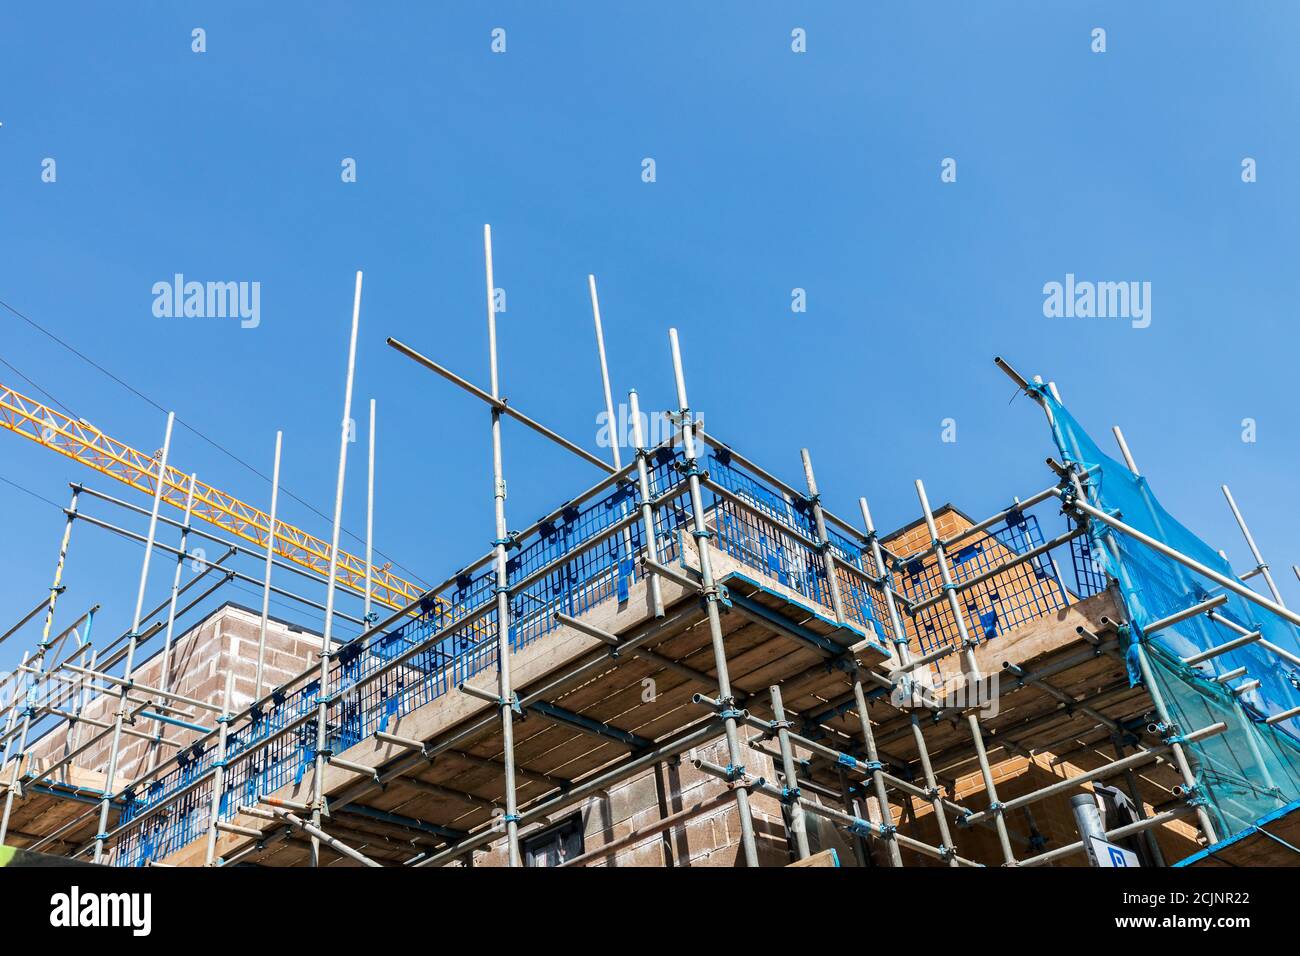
(83, 442)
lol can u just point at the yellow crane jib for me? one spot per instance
(83, 442)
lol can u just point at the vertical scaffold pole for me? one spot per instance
(797, 818)
(647, 509)
(19, 689)
(615, 433)
(877, 773)
(823, 541)
(160, 728)
(505, 691)
(1139, 806)
(904, 658)
(861, 852)
(19, 677)
(1179, 572)
(132, 643)
(604, 373)
(860, 702)
(85, 696)
(1123, 450)
(322, 699)
(1260, 564)
(181, 555)
(1157, 698)
(701, 533)
(1176, 748)
(1148, 679)
(370, 520)
(973, 676)
(56, 588)
(266, 573)
(219, 771)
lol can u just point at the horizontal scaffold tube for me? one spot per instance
(199, 532)
(1236, 587)
(674, 747)
(847, 821)
(239, 575)
(1119, 833)
(44, 603)
(1169, 620)
(502, 406)
(338, 846)
(1002, 568)
(1106, 770)
(1267, 645)
(849, 762)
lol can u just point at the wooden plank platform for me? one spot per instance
(55, 803)
(824, 858)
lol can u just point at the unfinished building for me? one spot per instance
(691, 663)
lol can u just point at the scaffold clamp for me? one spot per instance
(860, 827)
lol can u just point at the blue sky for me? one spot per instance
(775, 170)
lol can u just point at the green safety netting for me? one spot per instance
(1246, 772)
(1253, 768)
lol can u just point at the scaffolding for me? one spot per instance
(784, 631)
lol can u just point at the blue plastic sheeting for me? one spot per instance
(1254, 768)
(1154, 586)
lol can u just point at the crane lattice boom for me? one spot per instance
(83, 442)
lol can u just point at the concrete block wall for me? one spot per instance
(710, 839)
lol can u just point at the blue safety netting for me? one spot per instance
(1254, 767)
(571, 563)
